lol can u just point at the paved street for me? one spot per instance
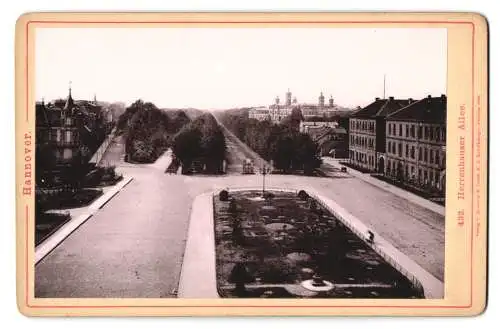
(133, 247)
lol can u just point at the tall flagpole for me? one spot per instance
(384, 86)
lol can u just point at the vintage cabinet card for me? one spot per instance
(251, 163)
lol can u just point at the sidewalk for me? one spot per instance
(389, 187)
(199, 255)
(433, 287)
(78, 217)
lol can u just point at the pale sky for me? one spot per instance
(232, 67)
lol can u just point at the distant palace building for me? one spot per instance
(278, 111)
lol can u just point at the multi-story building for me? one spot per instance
(57, 131)
(67, 132)
(331, 141)
(260, 113)
(306, 126)
(278, 111)
(367, 133)
(416, 144)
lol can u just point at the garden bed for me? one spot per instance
(48, 223)
(65, 199)
(274, 246)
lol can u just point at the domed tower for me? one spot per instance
(330, 102)
(288, 98)
(321, 100)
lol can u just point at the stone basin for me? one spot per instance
(279, 226)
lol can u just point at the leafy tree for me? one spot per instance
(202, 140)
(187, 146)
(148, 130)
(283, 143)
(293, 120)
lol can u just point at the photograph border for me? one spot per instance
(477, 139)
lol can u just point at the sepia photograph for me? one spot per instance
(251, 164)
(230, 163)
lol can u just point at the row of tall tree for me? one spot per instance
(290, 150)
(201, 144)
(148, 130)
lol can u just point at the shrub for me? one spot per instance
(277, 272)
(223, 195)
(303, 195)
(232, 207)
(268, 196)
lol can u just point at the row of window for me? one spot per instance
(63, 154)
(363, 141)
(362, 158)
(425, 154)
(412, 130)
(60, 135)
(426, 177)
(363, 125)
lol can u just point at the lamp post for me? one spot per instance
(264, 170)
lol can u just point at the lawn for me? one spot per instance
(274, 247)
(48, 223)
(65, 199)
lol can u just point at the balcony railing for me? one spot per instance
(64, 143)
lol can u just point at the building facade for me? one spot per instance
(416, 144)
(67, 132)
(306, 126)
(367, 134)
(277, 111)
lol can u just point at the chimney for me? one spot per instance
(410, 100)
(377, 98)
(443, 98)
(391, 98)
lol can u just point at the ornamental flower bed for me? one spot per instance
(275, 247)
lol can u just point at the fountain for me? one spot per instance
(317, 284)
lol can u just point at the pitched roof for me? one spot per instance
(380, 107)
(429, 109)
(41, 114)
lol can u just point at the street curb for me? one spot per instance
(433, 288)
(59, 236)
(199, 254)
(63, 232)
(422, 202)
(103, 199)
